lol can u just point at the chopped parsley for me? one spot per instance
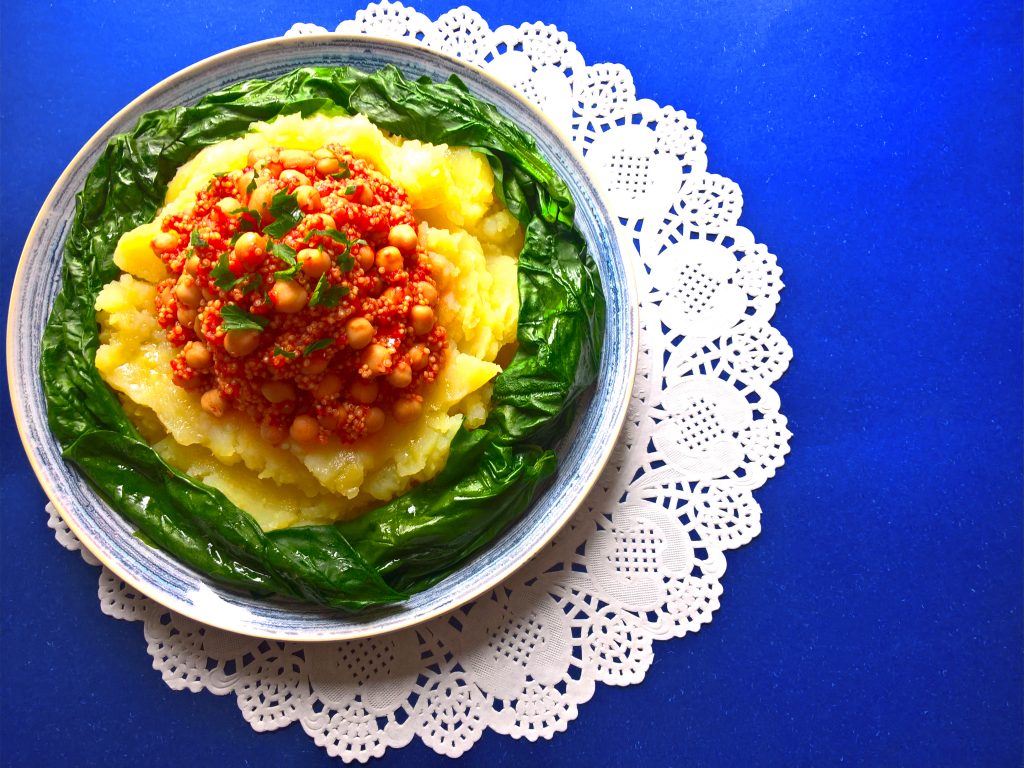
(196, 240)
(222, 275)
(286, 213)
(250, 221)
(351, 189)
(316, 346)
(327, 295)
(226, 280)
(344, 173)
(237, 319)
(286, 254)
(344, 260)
(285, 353)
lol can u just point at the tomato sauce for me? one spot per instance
(301, 297)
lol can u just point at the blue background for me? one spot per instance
(877, 618)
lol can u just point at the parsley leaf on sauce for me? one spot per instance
(327, 295)
(284, 209)
(316, 346)
(237, 319)
(286, 254)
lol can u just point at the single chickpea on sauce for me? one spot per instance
(301, 296)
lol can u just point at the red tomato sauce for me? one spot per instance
(301, 297)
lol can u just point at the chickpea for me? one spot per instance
(375, 360)
(261, 197)
(288, 296)
(197, 327)
(328, 387)
(364, 391)
(375, 418)
(403, 237)
(187, 316)
(193, 382)
(314, 261)
(389, 259)
(329, 420)
(360, 332)
(406, 409)
(273, 433)
(314, 367)
(328, 165)
(192, 265)
(393, 295)
(242, 182)
(364, 196)
(427, 292)
(320, 221)
(294, 178)
(304, 429)
(296, 158)
(213, 403)
(308, 199)
(422, 319)
(251, 248)
(241, 343)
(400, 376)
(228, 205)
(323, 154)
(198, 356)
(278, 391)
(166, 241)
(419, 356)
(262, 155)
(187, 292)
(365, 256)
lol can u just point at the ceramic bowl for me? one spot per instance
(582, 453)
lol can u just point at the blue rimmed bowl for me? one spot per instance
(582, 453)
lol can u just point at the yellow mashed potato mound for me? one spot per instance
(472, 242)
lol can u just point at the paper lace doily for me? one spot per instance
(643, 560)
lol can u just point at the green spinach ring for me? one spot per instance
(492, 473)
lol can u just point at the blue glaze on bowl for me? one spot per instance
(582, 454)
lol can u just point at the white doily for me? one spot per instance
(644, 559)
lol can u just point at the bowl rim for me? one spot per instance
(192, 610)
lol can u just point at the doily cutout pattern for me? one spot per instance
(643, 560)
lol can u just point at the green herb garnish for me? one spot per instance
(316, 346)
(196, 240)
(286, 254)
(222, 275)
(327, 295)
(284, 353)
(334, 234)
(249, 221)
(344, 260)
(237, 319)
(284, 209)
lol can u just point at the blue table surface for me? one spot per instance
(877, 618)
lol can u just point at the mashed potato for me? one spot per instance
(472, 242)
